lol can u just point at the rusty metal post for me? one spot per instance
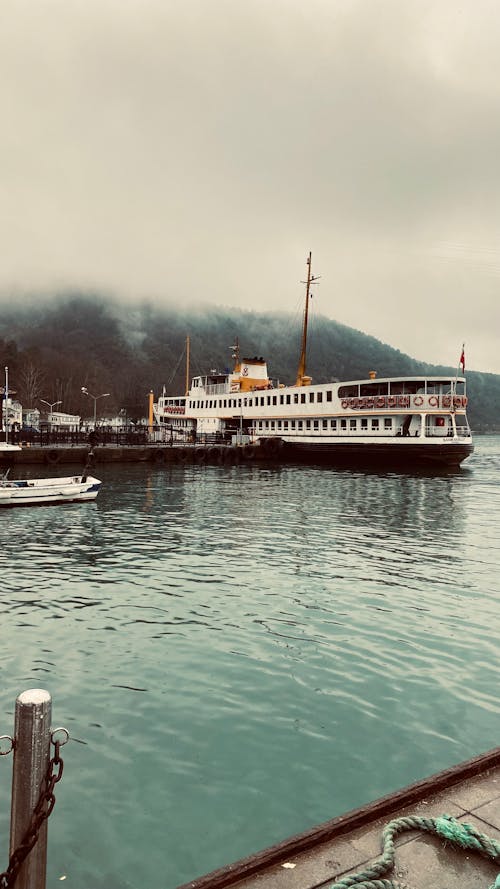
(31, 761)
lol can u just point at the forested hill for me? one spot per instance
(54, 347)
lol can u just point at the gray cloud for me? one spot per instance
(197, 151)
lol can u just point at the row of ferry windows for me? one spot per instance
(315, 425)
(267, 400)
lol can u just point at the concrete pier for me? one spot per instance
(53, 455)
(348, 844)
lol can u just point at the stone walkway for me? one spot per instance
(422, 860)
(314, 860)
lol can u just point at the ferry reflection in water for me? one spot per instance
(244, 652)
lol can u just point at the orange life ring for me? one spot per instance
(433, 401)
(345, 403)
(464, 401)
(457, 401)
(381, 401)
(391, 401)
(446, 400)
(418, 400)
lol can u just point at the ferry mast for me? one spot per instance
(187, 365)
(302, 378)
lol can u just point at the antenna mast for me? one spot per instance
(235, 354)
(301, 372)
(187, 365)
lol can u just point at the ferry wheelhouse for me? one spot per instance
(392, 420)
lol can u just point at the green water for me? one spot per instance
(240, 653)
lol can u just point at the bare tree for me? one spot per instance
(32, 381)
(64, 392)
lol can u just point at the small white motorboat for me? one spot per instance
(6, 448)
(28, 492)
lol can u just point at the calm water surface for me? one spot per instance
(240, 653)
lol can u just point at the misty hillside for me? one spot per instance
(54, 347)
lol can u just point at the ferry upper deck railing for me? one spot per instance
(212, 389)
(404, 402)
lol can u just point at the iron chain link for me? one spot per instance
(41, 812)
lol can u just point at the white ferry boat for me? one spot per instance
(395, 421)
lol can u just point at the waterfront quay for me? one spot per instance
(334, 852)
(127, 446)
(53, 454)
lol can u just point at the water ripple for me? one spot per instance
(244, 652)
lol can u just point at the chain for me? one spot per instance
(40, 814)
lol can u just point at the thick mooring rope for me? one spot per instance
(463, 835)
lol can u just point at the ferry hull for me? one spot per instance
(367, 454)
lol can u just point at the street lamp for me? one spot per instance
(95, 397)
(49, 404)
(52, 405)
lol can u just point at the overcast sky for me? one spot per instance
(196, 150)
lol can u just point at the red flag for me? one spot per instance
(462, 359)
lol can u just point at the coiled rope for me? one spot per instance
(465, 836)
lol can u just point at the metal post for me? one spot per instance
(6, 400)
(31, 761)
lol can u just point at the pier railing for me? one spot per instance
(47, 437)
(108, 435)
(35, 772)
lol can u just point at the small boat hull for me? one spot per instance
(44, 491)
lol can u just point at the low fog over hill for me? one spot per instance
(54, 347)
